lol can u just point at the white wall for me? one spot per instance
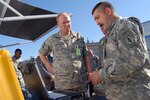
(146, 26)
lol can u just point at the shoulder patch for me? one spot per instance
(128, 37)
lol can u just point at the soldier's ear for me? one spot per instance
(108, 11)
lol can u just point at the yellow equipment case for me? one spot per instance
(9, 85)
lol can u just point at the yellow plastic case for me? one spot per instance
(9, 85)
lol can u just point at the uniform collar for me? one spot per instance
(58, 35)
(114, 23)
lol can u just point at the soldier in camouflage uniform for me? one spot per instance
(125, 58)
(16, 62)
(70, 56)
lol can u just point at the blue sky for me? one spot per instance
(82, 20)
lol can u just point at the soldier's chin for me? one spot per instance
(68, 30)
(104, 31)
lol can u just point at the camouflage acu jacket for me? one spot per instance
(69, 66)
(125, 63)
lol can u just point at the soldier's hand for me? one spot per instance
(52, 77)
(89, 76)
(95, 78)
